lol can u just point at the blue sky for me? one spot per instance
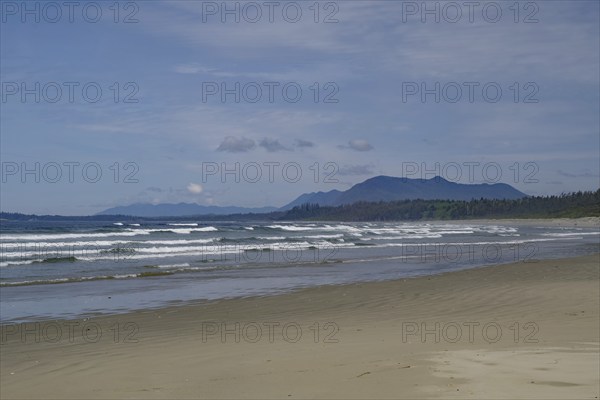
(171, 128)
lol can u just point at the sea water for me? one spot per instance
(74, 269)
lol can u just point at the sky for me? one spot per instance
(254, 103)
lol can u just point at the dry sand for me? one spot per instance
(369, 342)
(583, 222)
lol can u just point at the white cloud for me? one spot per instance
(194, 188)
(272, 145)
(358, 145)
(304, 143)
(232, 144)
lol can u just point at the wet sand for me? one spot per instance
(523, 330)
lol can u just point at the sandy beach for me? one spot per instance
(329, 199)
(523, 330)
(583, 222)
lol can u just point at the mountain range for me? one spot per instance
(180, 210)
(379, 188)
(388, 188)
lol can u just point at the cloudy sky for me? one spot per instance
(180, 102)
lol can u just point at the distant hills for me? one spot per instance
(388, 188)
(379, 188)
(567, 205)
(180, 210)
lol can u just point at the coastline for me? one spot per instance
(527, 330)
(582, 222)
(93, 277)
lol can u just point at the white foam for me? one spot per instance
(15, 262)
(165, 252)
(290, 227)
(58, 236)
(430, 236)
(59, 280)
(123, 276)
(333, 236)
(570, 234)
(126, 232)
(98, 243)
(183, 265)
(183, 224)
(190, 230)
(441, 244)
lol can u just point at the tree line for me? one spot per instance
(570, 205)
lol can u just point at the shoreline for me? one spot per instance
(362, 340)
(588, 222)
(279, 292)
(581, 222)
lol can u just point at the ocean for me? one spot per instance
(77, 269)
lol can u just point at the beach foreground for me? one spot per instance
(523, 330)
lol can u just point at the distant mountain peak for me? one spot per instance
(390, 188)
